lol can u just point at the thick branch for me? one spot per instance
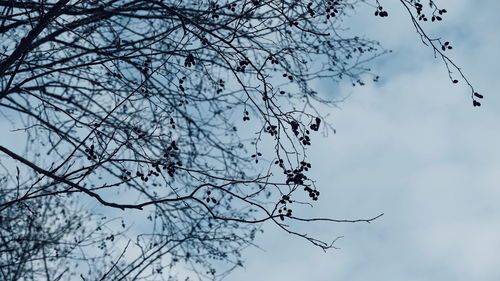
(25, 43)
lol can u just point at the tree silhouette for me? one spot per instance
(193, 117)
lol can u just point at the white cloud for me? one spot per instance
(413, 148)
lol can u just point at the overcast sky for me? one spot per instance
(414, 148)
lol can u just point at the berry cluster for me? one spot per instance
(419, 7)
(215, 8)
(246, 118)
(311, 12)
(172, 123)
(304, 166)
(189, 61)
(422, 17)
(313, 193)
(315, 125)
(139, 174)
(290, 77)
(474, 101)
(181, 82)
(331, 9)
(231, 7)
(171, 168)
(273, 60)
(126, 174)
(272, 130)
(305, 139)
(284, 211)
(285, 199)
(380, 12)
(446, 46)
(256, 156)
(145, 177)
(221, 86)
(170, 149)
(242, 65)
(210, 198)
(140, 134)
(295, 127)
(91, 153)
(295, 177)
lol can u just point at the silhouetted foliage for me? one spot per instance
(193, 117)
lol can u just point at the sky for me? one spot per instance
(414, 148)
(411, 147)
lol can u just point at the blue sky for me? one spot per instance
(414, 148)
